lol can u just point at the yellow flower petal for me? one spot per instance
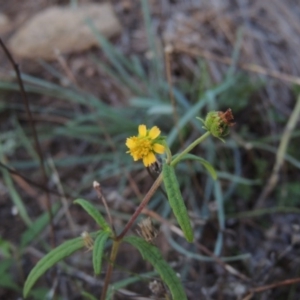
(149, 159)
(142, 130)
(135, 157)
(130, 142)
(154, 132)
(158, 148)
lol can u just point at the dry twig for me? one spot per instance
(286, 136)
(247, 67)
(35, 136)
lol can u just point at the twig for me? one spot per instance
(275, 285)
(142, 205)
(248, 297)
(65, 67)
(247, 67)
(100, 195)
(286, 136)
(265, 211)
(35, 136)
(225, 266)
(42, 187)
(160, 219)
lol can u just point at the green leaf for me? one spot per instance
(5, 248)
(88, 296)
(176, 201)
(15, 196)
(7, 280)
(57, 254)
(152, 254)
(37, 226)
(94, 213)
(98, 251)
(113, 288)
(209, 168)
(39, 293)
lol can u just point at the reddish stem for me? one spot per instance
(142, 205)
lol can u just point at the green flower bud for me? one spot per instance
(218, 123)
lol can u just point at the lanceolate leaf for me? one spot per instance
(176, 201)
(57, 254)
(209, 168)
(94, 213)
(98, 251)
(152, 254)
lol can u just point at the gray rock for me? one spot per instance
(5, 24)
(63, 29)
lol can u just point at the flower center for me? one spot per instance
(142, 148)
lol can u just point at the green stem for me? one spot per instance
(190, 147)
(113, 255)
(169, 154)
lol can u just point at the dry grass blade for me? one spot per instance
(286, 136)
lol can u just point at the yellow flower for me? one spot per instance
(145, 145)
